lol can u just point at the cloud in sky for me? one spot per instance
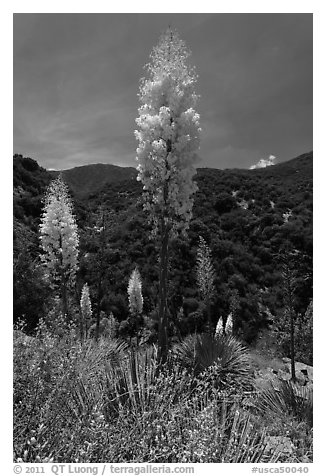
(76, 79)
(262, 163)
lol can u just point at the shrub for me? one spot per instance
(229, 357)
(97, 402)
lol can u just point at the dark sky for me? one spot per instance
(76, 79)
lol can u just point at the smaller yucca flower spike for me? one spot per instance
(229, 324)
(135, 293)
(219, 327)
(85, 305)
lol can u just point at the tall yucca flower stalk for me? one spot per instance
(205, 277)
(86, 309)
(59, 240)
(168, 135)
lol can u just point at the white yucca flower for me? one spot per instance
(135, 293)
(168, 133)
(229, 324)
(59, 235)
(85, 304)
(219, 327)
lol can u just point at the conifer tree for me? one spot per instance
(205, 277)
(59, 240)
(168, 135)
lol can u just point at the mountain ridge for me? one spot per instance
(89, 178)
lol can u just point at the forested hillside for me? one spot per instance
(249, 218)
(89, 178)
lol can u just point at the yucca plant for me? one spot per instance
(129, 383)
(226, 354)
(78, 393)
(217, 433)
(288, 399)
(139, 386)
(233, 438)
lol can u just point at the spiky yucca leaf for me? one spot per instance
(83, 392)
(95, 356)
(243, 443)
(130, 382)
(79, 400)
(288, 399)
(138, 386)
(223, 433)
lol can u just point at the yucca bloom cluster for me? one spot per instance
(135, 293)
(219, 327)
(59, 235)
(168, 133)
(220, 330)
(229, 324)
